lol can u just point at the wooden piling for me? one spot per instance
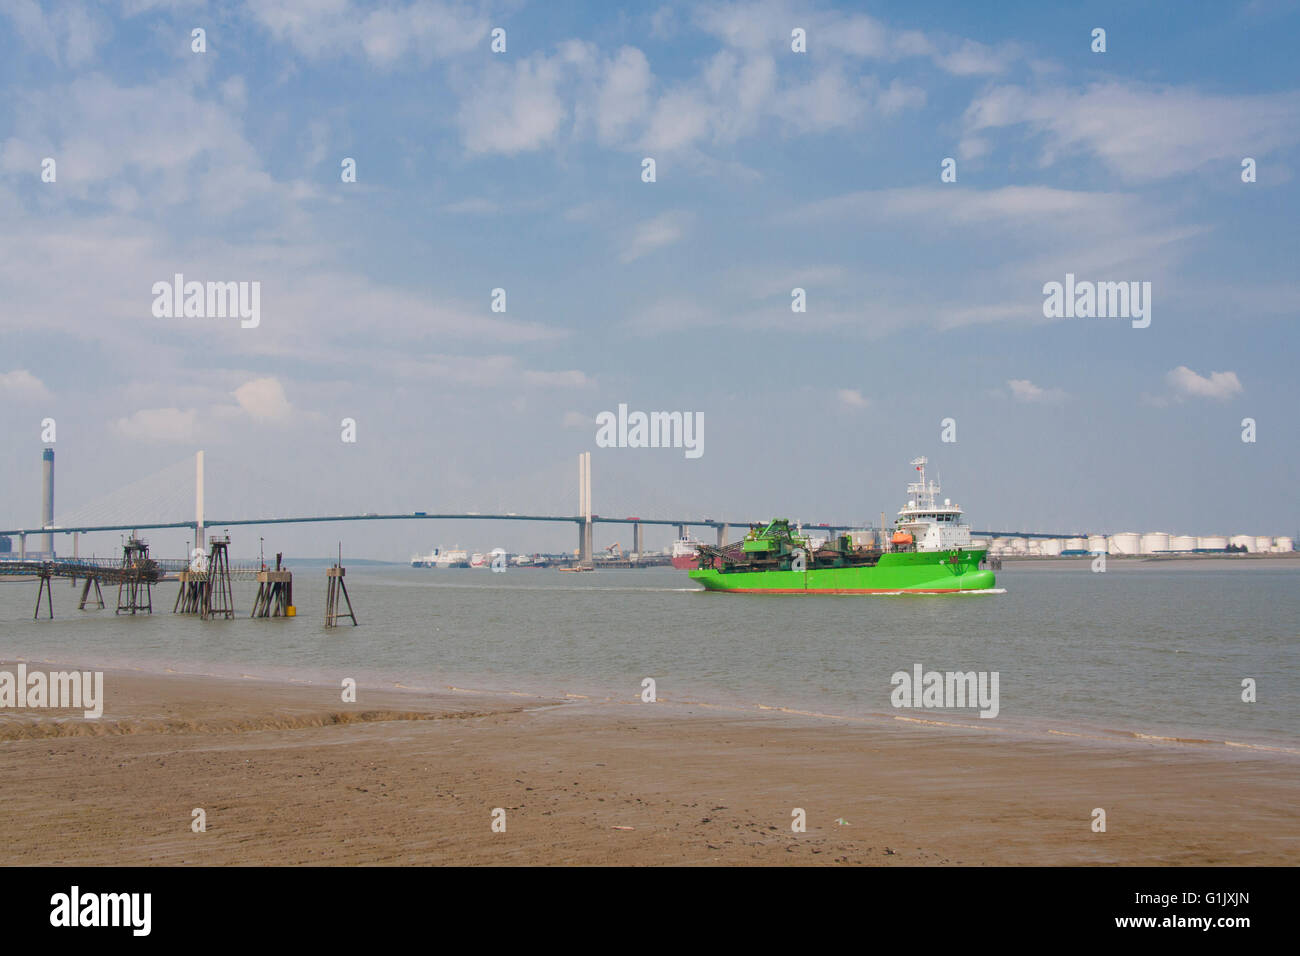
(48, 591)
(190, 597)
(274, 594)
(92, 580)
(335, 587)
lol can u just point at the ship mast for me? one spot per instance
(925, 492)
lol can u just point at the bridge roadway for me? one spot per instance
(476, 516)
(110, 571)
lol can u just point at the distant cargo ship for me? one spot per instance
(685, 552)
(928, 553)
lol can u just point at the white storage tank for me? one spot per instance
(1243, 540)
(1283, 544)
(1155, 542)
(1263, 544)
(1075, 544)
(1050, 547)
(1126, 542)
(1096, 542)
(1182, 542)
(1213, 542)
(1018, 545)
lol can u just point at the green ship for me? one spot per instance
(929, 552)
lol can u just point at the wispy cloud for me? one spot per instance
(663, 230)
(1023, 390)
(1142, 132)
(852, 398)
(514, 107)
(158, 425)
(420, 31)
(22, 385)
(1217, 385)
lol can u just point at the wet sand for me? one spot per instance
(289, 774)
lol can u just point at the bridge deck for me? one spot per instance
(112, 572)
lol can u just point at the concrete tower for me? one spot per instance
(47, 499)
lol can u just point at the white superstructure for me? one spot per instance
(933, 527)
(440, 558)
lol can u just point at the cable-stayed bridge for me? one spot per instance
(172, 491)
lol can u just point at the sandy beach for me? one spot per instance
(288, 774)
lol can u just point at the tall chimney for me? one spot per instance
(47, 499)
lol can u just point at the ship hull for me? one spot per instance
(914, 572)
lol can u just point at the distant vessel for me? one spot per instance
(928, 553)
(440, 558)
(685, 552)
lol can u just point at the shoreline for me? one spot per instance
(1018, 726)
(288, 773)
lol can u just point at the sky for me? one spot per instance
(524, 170)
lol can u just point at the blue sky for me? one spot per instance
(522, 170)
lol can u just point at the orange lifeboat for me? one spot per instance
(902, 537)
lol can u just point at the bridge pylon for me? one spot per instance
(584, 509)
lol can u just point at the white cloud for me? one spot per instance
(160, 140)
(1219, 385)
(852, 398)
(678, 119)
(1023, 390)
(973, 59)
(64, 32)
(765, 25)
(158, 425)
(1143, 132)
(23, 385)
(623, 95)
(264, 400)
(1008, 205)
(484, 371)
(513, 108)
(898, 96)
(1043, 233)
(662, 230)
(92, 279)
(422, 30)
